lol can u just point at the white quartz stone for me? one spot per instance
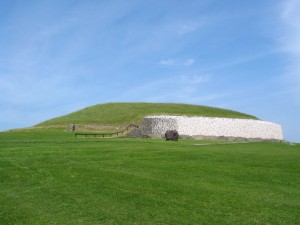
(211, 126)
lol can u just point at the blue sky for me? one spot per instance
(60, 56)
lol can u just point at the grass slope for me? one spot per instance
(48, 177)
(117, 113)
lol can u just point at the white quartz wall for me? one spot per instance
(211, 126)
(158, 125)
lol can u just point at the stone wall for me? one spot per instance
(212, 127)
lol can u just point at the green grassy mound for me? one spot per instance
(124, 113)
(48, 177)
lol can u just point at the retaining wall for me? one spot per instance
(211, 126)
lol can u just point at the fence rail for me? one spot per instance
(105, 134)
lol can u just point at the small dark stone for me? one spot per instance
(71, 128)
(171, 135)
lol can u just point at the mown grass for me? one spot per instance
(49, 177)
(125, 113)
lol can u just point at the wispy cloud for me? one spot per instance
(177, 62)
(232, 62)
(186, 28)
(290, 42)
(291, 22)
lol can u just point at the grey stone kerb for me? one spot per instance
(211, 126)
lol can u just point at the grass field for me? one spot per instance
(49, 177)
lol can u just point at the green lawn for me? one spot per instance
(52, 178)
